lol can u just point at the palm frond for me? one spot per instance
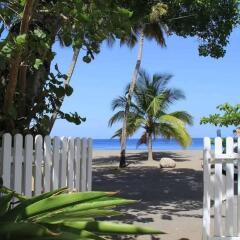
(171, 131)
(117, 134)
(132, 39)
(119, 116)
(172, 127)
(183, 116)
(155, 105)
(110, 40)
(160, 81)
(142, 140)
(167, 118)
(119, 102)
(155, 31)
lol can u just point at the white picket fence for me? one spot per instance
(32, 166)
(221, 202)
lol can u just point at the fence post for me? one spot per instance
(206, 188)
(38, 170)
(218, 187)
(83, 175)
(89, 166)
(17, 163)
(77, 163)
(229, 190)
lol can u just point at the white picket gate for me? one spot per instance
(221, 201)
(31, 165)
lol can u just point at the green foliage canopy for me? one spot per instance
(229, 116)
(85, 25)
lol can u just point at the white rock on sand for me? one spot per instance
(167, 163)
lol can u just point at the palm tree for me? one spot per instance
(149, 111)
(150, 28)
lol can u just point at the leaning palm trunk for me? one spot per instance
(66, 82)
(150, 152)
(129, 98)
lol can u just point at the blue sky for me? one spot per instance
(206, 83)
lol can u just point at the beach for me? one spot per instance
(170, 199)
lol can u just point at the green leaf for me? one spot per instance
(86, 59)
(105, 227)
(60, 91)
(16, 230)
(61, 217)
(125, 11)
(21, 39)
(68, 90)
(13, 214)
(5, 202)
(38, 63)
(58, 202)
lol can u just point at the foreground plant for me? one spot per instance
(63, 216)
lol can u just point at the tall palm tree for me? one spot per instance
(151, 28)
(149, 111)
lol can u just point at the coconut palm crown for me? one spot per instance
(149, 111)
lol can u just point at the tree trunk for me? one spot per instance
(129, 98)
(150, 153)
(66, 82)
(16, 58)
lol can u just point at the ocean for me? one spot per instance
(158, 144)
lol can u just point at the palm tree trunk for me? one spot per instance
(66, 82)
(129, 98)
(16, 59)
(150, 153)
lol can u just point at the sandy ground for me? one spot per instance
(171, 199)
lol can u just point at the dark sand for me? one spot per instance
(171, 199)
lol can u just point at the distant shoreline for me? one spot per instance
(158, 145)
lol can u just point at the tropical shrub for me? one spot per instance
(228, 116)
(63, 216)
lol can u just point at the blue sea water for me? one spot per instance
(158, 144)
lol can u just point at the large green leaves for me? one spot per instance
(110, 228)
(61, 201)
(62, 216)
(24, 230)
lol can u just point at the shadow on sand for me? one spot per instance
(165, 193)
(141, 157)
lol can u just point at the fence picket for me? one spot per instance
(238, 191)
(63, 162)
(206, 188)
(70, 173)
(89, 165)
(47, 163)
(28, 161)
(229, 191)
(83, 181)
(6, 159)
(17, 163)
(38, 170)
(218, 187)
(77, 163)
(55, 164)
